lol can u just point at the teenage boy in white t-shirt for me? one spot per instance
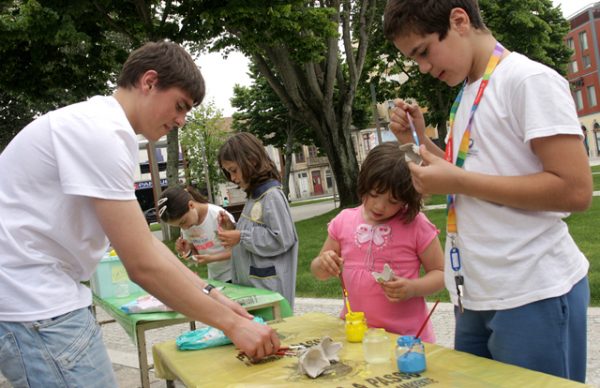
(514, 168)
(67, 188)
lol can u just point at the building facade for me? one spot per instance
(582, 74)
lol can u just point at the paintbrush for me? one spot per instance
(427, 319)
(413, 130)
(346, 299)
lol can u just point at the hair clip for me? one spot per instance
(162, 207)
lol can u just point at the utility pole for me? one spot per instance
(376, 113)
(206, 172)
(156, 189)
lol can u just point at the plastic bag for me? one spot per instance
(207, 337)
(145, 304)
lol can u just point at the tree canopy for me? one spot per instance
(318, 57)
(312, 55)
(534, 28)
(52, 55)
(261, 112)
(200, 140)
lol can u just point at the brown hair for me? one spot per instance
(384, 169)
(247, 151)
(174, 201)
(423, 17)
(174, 66)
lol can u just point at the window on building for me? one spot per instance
(570, 44)
(583, 43)
(366, 141)
(573, 66)
(591, 95)
(300, 156)
(328, 178)
(312, 151)
(587, 62)
(579, 99)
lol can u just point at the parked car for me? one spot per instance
(150, 215)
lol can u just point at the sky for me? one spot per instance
(569, 7)
(222, 74)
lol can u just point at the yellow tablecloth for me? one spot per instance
(223, 367)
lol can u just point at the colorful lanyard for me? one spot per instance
(451, 227)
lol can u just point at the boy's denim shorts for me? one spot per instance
(548, 336)
(64, 351)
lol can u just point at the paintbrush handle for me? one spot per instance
(413, 130)
(345, 293)
(427, 319)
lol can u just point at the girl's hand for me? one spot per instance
(224, 221)
(329, 262)
(398, 289)
(183, 247)
(399, 121)
(202, 259)
(229, 238)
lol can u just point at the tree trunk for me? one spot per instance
(338, 145)
(173, 158)
(345, 171)
(173, 169)
(288, 160)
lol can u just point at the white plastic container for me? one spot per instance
(111, 280)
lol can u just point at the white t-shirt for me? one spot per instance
(512, 257)
(50, 238)
(205, 240)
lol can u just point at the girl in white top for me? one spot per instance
(187, 209)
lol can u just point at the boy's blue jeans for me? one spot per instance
(548, 336)
(65, 351)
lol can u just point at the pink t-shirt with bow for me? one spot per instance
(366, 248)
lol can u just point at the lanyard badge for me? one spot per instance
(463, 150)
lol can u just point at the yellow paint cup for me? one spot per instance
(356, 326)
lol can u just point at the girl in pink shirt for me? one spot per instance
(387, 228)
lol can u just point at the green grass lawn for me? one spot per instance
(310, 201)
(312, 233)
(596, 176)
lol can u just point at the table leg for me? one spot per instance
(142, 356)
(277, 312)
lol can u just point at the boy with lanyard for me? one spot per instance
(514, 167)
(67, 189)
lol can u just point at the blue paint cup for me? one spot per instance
(410, 354)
